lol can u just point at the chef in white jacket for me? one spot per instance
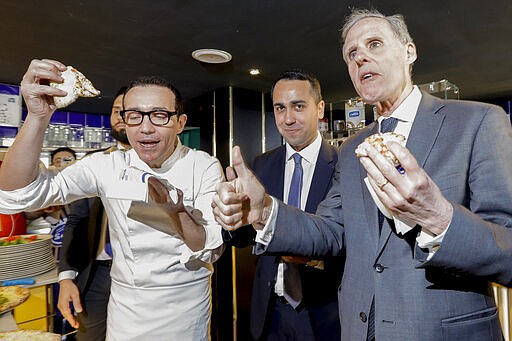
(157, 198)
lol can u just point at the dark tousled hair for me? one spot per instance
(298, 75)
(62, 149)
(121, 91)
(158, 81)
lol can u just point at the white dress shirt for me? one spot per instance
(309, 156)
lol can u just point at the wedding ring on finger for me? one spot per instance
(381, 186)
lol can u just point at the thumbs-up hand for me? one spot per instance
(242, 199)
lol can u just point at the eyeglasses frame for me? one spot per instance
(148, 114)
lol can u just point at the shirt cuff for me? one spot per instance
(68, 274)
(213, 247)
(264, 236)
(432, 243)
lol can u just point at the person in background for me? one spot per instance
(425, 271)
(157, 198)
(298, 106)
(61, 157)
(56, 216)
(84, 267)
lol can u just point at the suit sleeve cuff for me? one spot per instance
(430, 242)
(264, 236)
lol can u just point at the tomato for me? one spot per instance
(14, 240)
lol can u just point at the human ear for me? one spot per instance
(411, 53)
(321, 108)
(182, 120)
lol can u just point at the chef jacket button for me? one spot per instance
(379, 267)
(363, 317)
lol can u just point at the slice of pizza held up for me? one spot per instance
(29, 335)
(379, 141)
(12, 296)
(76, 85)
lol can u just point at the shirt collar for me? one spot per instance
(179, 152)
(307, 153)
(406, 111)
(176, 155)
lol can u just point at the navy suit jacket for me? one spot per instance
(319, 286)
(466, 148)
(81, 239)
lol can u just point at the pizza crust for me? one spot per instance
(76, 85)
(12, 296)
(380, 141)
(32, 335)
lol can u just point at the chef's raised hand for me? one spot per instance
(181, 221)
(413, 197)
(21, 163)
(35, 88)
(159, 195)
(242, 199)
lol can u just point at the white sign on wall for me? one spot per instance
(10, 105)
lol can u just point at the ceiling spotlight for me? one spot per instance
(211, 56)
(254, 72)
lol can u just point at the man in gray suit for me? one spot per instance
(425, 273)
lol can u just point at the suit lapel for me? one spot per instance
(324, 168)
(425, 128)
(370, 207)
(275, 184)
(272, 178)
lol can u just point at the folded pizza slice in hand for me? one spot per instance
(379, 141)
(76, 85)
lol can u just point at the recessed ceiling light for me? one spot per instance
(254, 72)
(211, 56)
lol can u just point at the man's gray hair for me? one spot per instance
(396, 22)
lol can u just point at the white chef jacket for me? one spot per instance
(160, 288)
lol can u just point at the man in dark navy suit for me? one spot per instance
(313, 313)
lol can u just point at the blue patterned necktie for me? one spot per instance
(291, 276)
(108, 246)
(386, 126)
(296, 183)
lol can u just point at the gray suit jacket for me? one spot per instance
(466, 148)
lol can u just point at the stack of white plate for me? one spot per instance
(27, 260)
